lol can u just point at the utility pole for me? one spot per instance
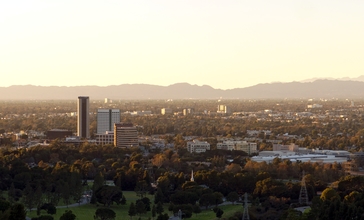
(246, 210)
(303, 199)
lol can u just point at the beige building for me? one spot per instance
(249, 148)
(245, 146)
(125, 135)
(196, 146)
(226, 145)
(280, 147)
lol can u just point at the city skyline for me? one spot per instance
(230, 44)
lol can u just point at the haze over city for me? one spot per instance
(171, 110)
(224, 44)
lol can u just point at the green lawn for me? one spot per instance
(86, 212)
(229, 210)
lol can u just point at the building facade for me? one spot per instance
(106, 118)
(248, 147)
(105, 138)
(125, 135)
(196, 146)
(58, 133)
(166, 111)
(188, 111)
(223, 109)
(83, 122)
(226, 145)
(280, 147)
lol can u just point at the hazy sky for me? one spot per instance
(225, 44)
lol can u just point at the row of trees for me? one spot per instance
(131, 170)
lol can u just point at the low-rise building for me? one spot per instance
(166, 111)
(223, 109)
(105, 138)
(280, 147)
(325, 156)
(245, 146)
(314, 106)
(58, 133)
(188, 111)
(319, 158)
(196, 146)
(140, 113)
(226, 145)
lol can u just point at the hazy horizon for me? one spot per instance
(302, 81)
(223, 44)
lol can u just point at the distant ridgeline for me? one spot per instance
(327, 89)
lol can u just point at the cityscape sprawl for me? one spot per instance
(173, 159)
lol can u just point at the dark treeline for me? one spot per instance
(272, 187)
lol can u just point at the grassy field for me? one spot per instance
(86, 212)
(229, 210)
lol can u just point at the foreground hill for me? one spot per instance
(293, 90)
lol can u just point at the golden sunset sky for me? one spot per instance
(224, 44)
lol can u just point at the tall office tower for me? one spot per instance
(83, 123)
(125, 135)
(106, 118)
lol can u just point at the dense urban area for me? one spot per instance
(173, 159)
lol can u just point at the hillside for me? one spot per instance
(291, 90)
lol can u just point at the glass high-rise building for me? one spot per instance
(106, 118)
(83, 122)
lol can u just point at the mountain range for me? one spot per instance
(322, 88)
(359, 78)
